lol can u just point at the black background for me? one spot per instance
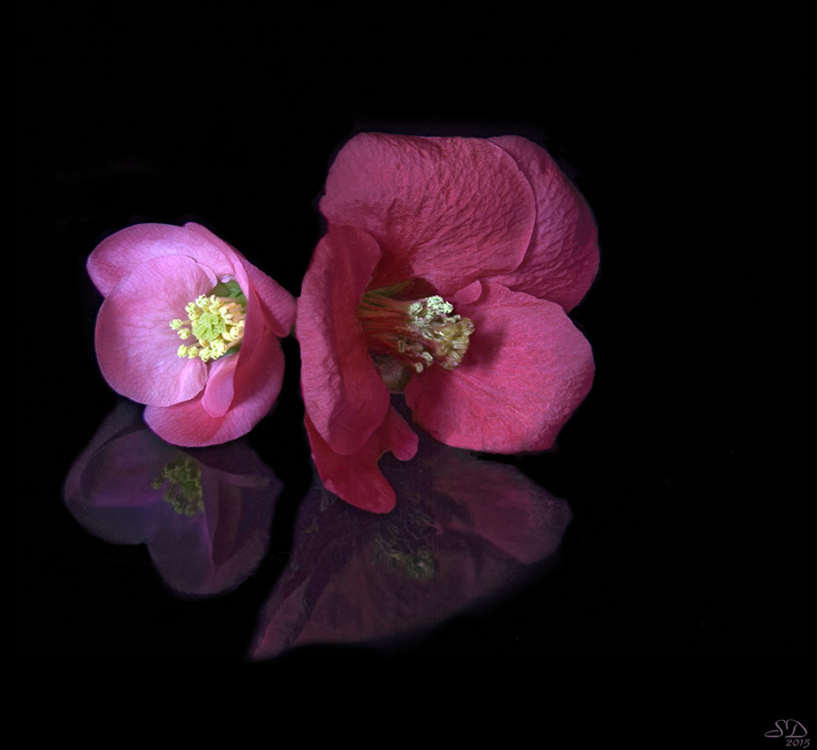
(684, 124)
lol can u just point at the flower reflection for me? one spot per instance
(463, 530)
(204, 514)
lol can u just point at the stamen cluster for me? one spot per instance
(415, 332)
(217, 323)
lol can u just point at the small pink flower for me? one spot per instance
(191, 329)
(446, 274)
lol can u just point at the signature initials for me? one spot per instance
(784, 725)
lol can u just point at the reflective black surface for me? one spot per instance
(684, 470)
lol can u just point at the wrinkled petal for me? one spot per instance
(257, 384)
(563, 256)
(525, 372)
(449, 210)
(122, 252)
(345, 397)
(136, 348)
(356, 478)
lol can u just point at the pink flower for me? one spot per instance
(447, 273)
(191, 329)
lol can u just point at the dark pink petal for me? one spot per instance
(345, 397)
(525, 372)
(449, 210)
(136, 348)
(356, 478)
(563, 256)
(122, 252)
(257, 382)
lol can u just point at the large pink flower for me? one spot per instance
(191, 329)
(446, 274)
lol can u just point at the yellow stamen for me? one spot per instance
(217, 324)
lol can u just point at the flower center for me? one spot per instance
(185, 493)
(215, 321)
(417, 332)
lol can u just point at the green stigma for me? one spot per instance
(417, 333)
(184, 493)
(216, 321)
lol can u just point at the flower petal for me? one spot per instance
(220, 389)
(122, 252)
(356, 478)
(525, 372)
(276, 303)
(449, 210)
(563, 256)
(136, 348)
(345, 397)
(257, 382)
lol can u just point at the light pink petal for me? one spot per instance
(257, 385)
(563, 257)
(136, 348)
(276, 307)
(345, 397)
(123, 251)
(356, 478)
(276, 303)
(449, 210)
(220, 389)
(525, 372)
